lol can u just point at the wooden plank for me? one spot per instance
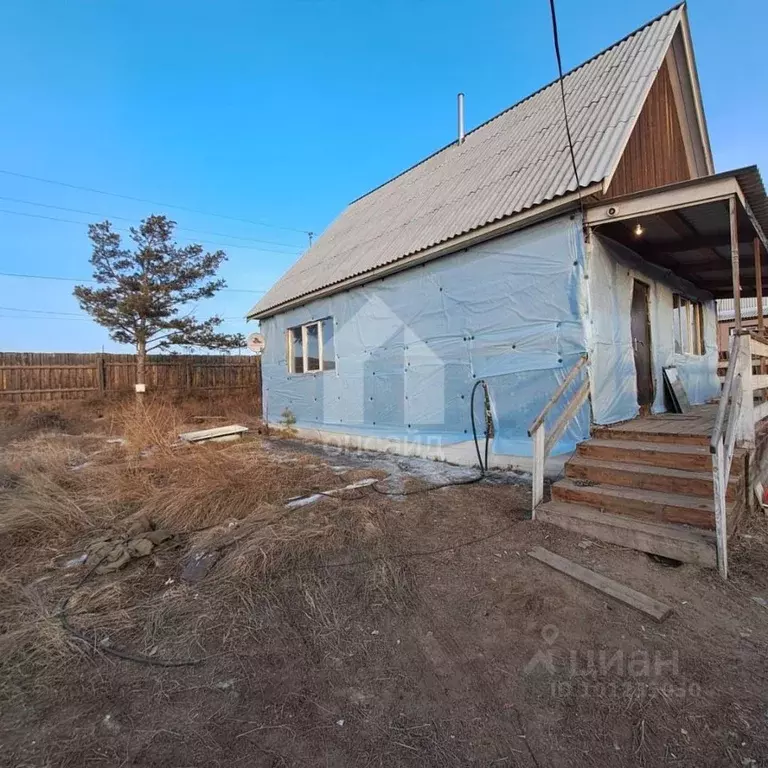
(649, 506)
(758, 348)
(761, 411)
(735, 272)
(645, 477)
(719, 479)
(672, 541)
(717, 430)
(756, 247)
(538, 469)
(557, 394)
(232, 431)
(655, 609)
(760, 381)
(566, 416)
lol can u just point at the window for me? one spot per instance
(310, 347)
(688, 319)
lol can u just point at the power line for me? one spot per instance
(95, 282)
(79, 314)
(41, 311)
(125, 218)
(556, 37)
(151, 202)
(122, 229)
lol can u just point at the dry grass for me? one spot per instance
(57, 490)
(154, 423)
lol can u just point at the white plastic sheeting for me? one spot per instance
(410, 347)
(612, 269)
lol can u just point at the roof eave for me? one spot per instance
(534, 215)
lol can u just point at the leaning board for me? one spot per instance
(676, 390)
(647, 605)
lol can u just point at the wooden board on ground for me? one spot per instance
(647, 605)
(676, 390)
(217, 434)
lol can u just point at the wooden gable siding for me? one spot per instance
(655, 154)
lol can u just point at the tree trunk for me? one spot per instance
(141, 368)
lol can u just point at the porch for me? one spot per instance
(671, 484)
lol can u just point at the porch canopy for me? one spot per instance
(709, 231)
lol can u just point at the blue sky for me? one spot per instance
(276, 115)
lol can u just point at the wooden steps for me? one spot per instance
(617, 433)
(668, 455)
(652, 506)
(645, 490)
(671, 541)
(646, 477)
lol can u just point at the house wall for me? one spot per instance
(611, 270)
(410, 347)
(655, 153)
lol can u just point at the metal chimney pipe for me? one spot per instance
(461, 117)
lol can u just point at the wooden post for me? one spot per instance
(756, 246)
(759, 285)
(735, 272)
(718, 480)
(537, 490)
(745, 431)
(101, 375)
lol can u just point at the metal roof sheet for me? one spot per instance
(516, 160)
(726, 311)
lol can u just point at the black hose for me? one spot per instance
(483, 464)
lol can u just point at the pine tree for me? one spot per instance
(144, 293)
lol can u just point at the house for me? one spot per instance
(566, 293)
(726, 321)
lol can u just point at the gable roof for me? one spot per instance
(509, 164)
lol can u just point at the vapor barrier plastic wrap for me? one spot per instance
(410, 347)
(612, 271)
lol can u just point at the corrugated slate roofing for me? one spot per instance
(513, 162)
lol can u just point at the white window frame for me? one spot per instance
(692, 316)
(305, 346)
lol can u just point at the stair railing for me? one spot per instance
(543, 441)
(732, 423)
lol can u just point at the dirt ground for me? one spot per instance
(360, 630)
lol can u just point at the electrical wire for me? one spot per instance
(556, 37)
(126, 218)
(483, 465)
(150, 661)
(95, 282)
(151, 202)
(123, 229)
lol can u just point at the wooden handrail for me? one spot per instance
(725, 396)
(572, 374)
(543, 443)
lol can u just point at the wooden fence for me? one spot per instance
(27, 377)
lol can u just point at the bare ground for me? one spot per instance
(360, 630)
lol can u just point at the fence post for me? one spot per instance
(187, 375)
(101, 375)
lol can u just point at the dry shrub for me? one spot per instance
(154, 423)
(30, 629)
(40, 503)
(280, 541)
(205, 485)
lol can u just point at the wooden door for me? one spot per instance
(641, 344)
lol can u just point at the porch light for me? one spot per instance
(639, 229)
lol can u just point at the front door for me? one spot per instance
(641, 344)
